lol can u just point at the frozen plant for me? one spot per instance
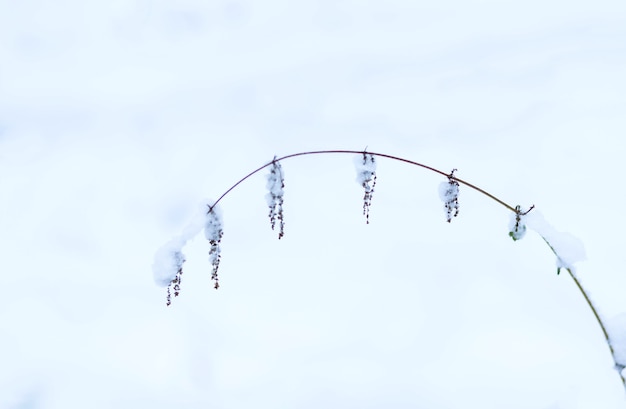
(449, 194)
(213, 231)
(274, 197)
(366, 177)
(167, 268)
(168, 261)
(175, 283)
(517, 223)
(568, 250)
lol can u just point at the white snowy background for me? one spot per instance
(118, 118)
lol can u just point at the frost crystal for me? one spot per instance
(213, 231)
(275, 186)
(366, 177)
(517, 223)
(449, 194)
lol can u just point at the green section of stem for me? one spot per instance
(618, 367)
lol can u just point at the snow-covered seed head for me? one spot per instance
(175, 284)
(274, 197)
(517, 223)
(213, 231)
(168, 266)
(366, 177)
(449, 194)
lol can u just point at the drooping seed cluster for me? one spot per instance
(213, 231)
(174, 285)
(169, 259)
(366, 177)
(449, 194)
(517, 225)
(274, 197)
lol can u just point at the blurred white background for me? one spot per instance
(118, 118)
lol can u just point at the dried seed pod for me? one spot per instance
(213, 231)
(517, 223)
(366, 177)
(449, 194)
(274, 197)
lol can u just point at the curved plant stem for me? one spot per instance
(382, 155)
(618, 367)
(593, 308)
(461, 181)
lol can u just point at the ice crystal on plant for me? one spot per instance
(213, 231)
(366, 177)
(449, 194)
(275, 186)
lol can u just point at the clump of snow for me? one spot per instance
(365, 168)
(366, 177)
(169, 258)
(275, 186)
(167, 268)
(213, 224)
(449, 194)
(567, 248)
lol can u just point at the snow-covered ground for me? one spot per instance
(117, 119)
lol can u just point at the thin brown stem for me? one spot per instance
(607, 337)
(451, 177)
(382, 155)
(604, 330)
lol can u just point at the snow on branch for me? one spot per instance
(366, 177)
(567, 248)
(213, 231)
(449, 194)
(274, 197)
(167, 268)
(169, 259)
(568, 251)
